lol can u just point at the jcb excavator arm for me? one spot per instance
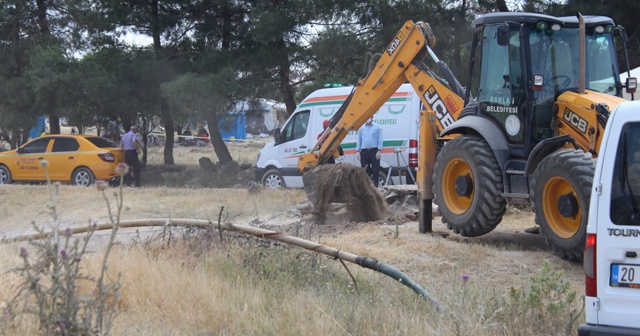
(399, 63)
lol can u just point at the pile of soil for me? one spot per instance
(207, 175)
(346, 183)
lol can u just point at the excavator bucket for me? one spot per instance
(348, 184)
(328, 187)
(309, 179)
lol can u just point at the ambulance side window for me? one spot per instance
(625, 186)
(297, 127)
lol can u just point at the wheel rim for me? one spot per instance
(554, 190)
(456, 168)
(3, 176)
(82, 178)
(382, 181)
(273, 181)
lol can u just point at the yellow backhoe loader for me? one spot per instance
(524, 130)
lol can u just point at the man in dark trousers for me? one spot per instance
(369, 148)
(131, 148)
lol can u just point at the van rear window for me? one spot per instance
(625, 187)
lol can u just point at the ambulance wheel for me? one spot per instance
(272, 179)
(382, 179)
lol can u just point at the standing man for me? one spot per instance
(131, 148)
(369, 148)
(332, 159)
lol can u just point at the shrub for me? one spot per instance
(54, 289)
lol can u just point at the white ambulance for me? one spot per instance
(277, 164)
(612, 253)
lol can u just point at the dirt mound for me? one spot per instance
(207, 175)
(346, 183)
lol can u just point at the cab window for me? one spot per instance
(500, 89)
(65, 145)
(37, 146)
(296, 128)
(625, 187)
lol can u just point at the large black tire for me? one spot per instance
(560, 194)
(272, 179)
(83, 177)
(468, 186)
(5, 175)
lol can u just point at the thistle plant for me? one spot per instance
(54, 289)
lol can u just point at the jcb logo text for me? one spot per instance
(392, 47)
(436, 104)
(575, 120)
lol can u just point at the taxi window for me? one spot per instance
(625, 187)
(65, 145)
(37, 146)
(102, 142)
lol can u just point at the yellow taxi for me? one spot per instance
(76, 158)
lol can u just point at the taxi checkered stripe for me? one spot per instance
(55, 153)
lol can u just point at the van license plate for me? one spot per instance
(624, 275)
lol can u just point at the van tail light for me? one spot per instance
(589, 266)
(108, 157)
(413, 153)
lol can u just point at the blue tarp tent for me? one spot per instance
(38, 128)
(233, 125)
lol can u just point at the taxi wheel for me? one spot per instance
(82, 177)
(5, 175)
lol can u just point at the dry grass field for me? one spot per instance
(504, 283)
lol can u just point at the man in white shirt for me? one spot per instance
(369, 148)
(131, 148)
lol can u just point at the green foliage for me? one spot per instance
(54, 288)
(543, 305)
(192, 93)
(548, 302)
(76, 63)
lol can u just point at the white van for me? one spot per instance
(277, 164)
(612, 253)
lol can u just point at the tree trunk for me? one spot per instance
(502, 6)
(42, 17)
(54, 120)
(457, 57)
(286, 89)
(169, 130)
(15, 139)
(216, 138)
(165, 111)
